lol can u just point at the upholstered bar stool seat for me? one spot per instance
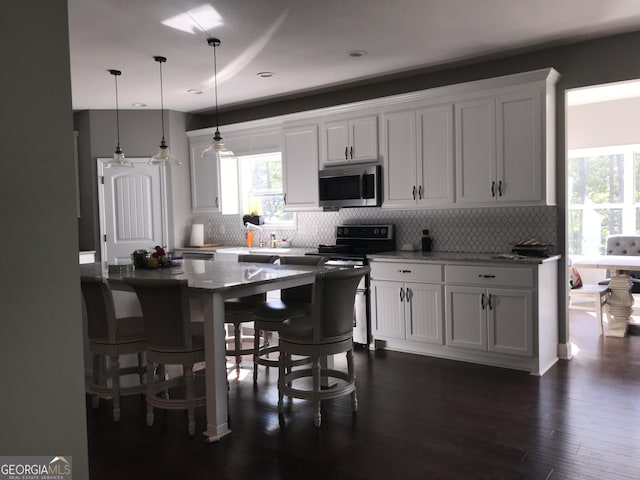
(293, 303)
(111, 337)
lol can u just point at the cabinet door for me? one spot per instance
(509, 322)
(423, 312)
(400, 175)
(475, 151)
(300, 167)
(363, 139)
(387, 309)
(435, 155)
(520, 161)
(205, 183)
(466, 322)
(336, 134)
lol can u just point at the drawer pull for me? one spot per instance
(404, 271)
(486, 276)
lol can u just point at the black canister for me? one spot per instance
(426, 241)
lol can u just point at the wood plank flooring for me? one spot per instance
(419, 418)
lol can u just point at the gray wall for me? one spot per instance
(43, 402)
(140, 135)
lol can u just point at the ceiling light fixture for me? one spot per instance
(118, 160)
(164, 155)
(217, 147)
(357, 53)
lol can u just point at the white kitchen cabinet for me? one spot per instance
(205, 178)
(403, 305)
(350, 140)
(419, 156)
(492, 313)
(484, 316)
(501, 154)
(300, 156)
(495, 320)
(253, 141)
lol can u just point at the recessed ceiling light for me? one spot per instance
(265, 74)
(194, 91)
(139, 105)
(357, 53)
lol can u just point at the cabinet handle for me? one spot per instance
(346, 153)
(351, 152)
(500, 188)
(401, 294)
(489, 302)
(217, 203)
(486, 276)
(420, 192)
(285, 199)
(493, 189)
(482, 301)
(413, 192)
(404, 271)
(408, 294)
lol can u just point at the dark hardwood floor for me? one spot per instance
(419, 418)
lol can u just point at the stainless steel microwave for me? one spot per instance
(352, 186)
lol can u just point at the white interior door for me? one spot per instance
(132, 208)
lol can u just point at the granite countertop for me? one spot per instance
(463, 257)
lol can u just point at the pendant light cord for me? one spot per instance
(215, 81)
(161, 101)
(115, 74)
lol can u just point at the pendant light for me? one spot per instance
(217, 147)
(118, 160)
(164, 155)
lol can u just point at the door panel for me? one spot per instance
(133, 209)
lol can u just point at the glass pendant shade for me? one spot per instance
(118, 160)
(164, 155)
(217, 148)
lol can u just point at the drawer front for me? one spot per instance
(486, 276)
(407, 272)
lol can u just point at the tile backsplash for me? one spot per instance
(490, 229)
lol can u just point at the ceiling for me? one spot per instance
(305, 43)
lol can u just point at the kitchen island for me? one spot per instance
(211, 283)
(489, 308)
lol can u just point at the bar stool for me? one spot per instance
(240, 311)
(327, 330)
(111, 337)
(172, 339)
(294, 302)
(596, 296)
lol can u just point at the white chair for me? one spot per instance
(172, 339)
(591, 298)
(111, 337)
(328, 330)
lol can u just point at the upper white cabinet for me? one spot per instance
(300, 155)
(205, 177)
(419, 156)
(502, 155)
(251, 142)
(351, 139)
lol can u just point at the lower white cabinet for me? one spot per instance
(494, 320)
(404, 306)
(501, 314)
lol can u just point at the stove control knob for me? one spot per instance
(383, 231)
(339, 231)
(375, 231)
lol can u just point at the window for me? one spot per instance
(261, 188)
(602, 196)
